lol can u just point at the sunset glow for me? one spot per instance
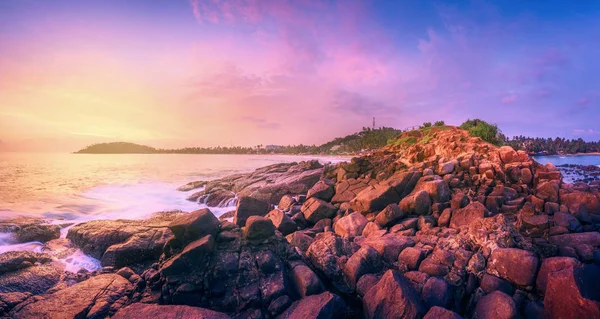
(205, 73)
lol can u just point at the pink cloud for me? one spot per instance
(511, 98)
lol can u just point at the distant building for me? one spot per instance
(272, 147)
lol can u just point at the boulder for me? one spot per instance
(306, 281)
(370, 229)
(248, 206)
(389, 215)
(572, 292)
(518, 266)
(195, 225)
(441, 313)
(576, 239)
(365, 283)
(282, 222)
(351, 225)
(258, 227)
(507, 154)
(547, 191)
(138, 248)
(315, 209)
(145, 311)
(286, 203)
(36, 279)
(374, 198)
(346, 190)
(365, 261)
(491, 283)
(446, 168)
(416, 203)
(496, 305)
(436, 292)
(97, 297)
(327, 254)
(193, 255)
(465, 216)
(393, 297)
(321, 190)
(389, 246)
(323, 306)
(550, 265)
(15, 260)
(300, 239)
(404, 182)
(589, 200)
(410, 258)
(437, 188)
(29, 229)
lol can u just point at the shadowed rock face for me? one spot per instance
(27, 229)
(445, 226)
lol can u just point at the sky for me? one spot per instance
(176, 73)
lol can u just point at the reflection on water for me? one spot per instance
(77, 187)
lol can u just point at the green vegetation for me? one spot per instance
(439, 123)
(427, 124)
(552, 146)
(364, 140)
(488, 132)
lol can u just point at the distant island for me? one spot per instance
(367, 139)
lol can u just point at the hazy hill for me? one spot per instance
(117, 148)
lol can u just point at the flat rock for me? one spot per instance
(97, 297)
(315, 209)
(467, 215)
(518, 266)
(146, 311)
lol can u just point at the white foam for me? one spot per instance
(79, 260)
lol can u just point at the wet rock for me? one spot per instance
(389, 215)
(97, 297)
(517, 266)
(36, 279)
(573, 293)
(28, 229)
(145, 311)
(321, 190)
(282, 222)
(258, 227)
(138, 248)
(191, 186)
(249, 206)
(392, 297)
(351, 225)
(441, 313)
(325, 305)
(306, 281)
(467, 215)
(15, 260)
(316, 209)
(496, 305)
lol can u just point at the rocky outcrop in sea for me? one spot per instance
(437, 225)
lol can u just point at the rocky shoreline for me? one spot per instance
(437, 225)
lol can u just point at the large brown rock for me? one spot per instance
(374, 198)
(365, 261)
(146, 311)
(496, 305)
(282, 222)
(315, 209)
(441, 313)
(465, 216)
(194, 225)
(258, 227)
(27, 229)
(346, 190)
(327, 255)
(192, 256)
(306, 281)
(550, 265)
(249, 206)
(393, 297)
(573, 293)
(36, 279)
(416, 203)
(589, 200)
(404, 182)
(389, 246)
(576, 239)
(389, 215)
(518, 266)
(437, 188)
(547, 191)
(507, 154)
(323, 306)
(138, 248)
(321, 190)
(97, 297)
(351, 225)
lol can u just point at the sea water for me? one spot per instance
(67, 189)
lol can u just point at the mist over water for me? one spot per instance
(68, 189)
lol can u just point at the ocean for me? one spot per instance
(74, 188)
(569, 159)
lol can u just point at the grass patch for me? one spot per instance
(407, 141)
